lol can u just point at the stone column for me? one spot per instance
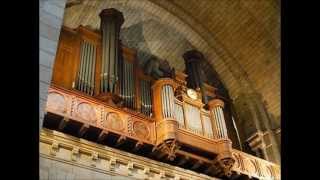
(266, 122)
(256, 129)
(50, 21)
(111, 21)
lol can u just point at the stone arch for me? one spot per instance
(171, 15)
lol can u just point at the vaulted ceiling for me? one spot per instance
(239, 38)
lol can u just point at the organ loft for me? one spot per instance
(115, 117)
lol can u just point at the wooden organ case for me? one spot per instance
(100, 93)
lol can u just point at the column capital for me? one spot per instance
(215, 103)
(113, 13)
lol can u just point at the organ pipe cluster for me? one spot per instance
(85, 81)
(145, 97)
(167, 99)
(127, 84)
(220, 128)
(111, 21)
(193, 118)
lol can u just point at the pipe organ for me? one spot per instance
(169, 114)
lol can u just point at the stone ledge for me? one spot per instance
(59, 146)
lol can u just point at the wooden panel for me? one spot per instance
(66, 58)
(64, 64)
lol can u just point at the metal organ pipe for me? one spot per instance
(93, 67)
(217, 123)
(87, 75)
(216, 108)
(85, 66)
(220, 121)
(80, 68)
(167, 99)
(132, 86)
(111, 21)
(163, 102)
(126, 83)
(223, 122)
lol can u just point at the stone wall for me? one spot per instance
(51, 17)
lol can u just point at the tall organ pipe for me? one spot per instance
(167, 98)
(111, 21)
(93, 67)
(192, 60)
(217, 123)
(223, 122)
(88, 68)
(79, 84)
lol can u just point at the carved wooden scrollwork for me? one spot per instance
(169, 147)
(224, 164)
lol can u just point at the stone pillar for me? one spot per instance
(111, 21)
(50, 21)
(256, 129)
(266, 122)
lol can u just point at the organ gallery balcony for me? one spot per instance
(84, 116)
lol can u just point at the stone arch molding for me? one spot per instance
(199, 37)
